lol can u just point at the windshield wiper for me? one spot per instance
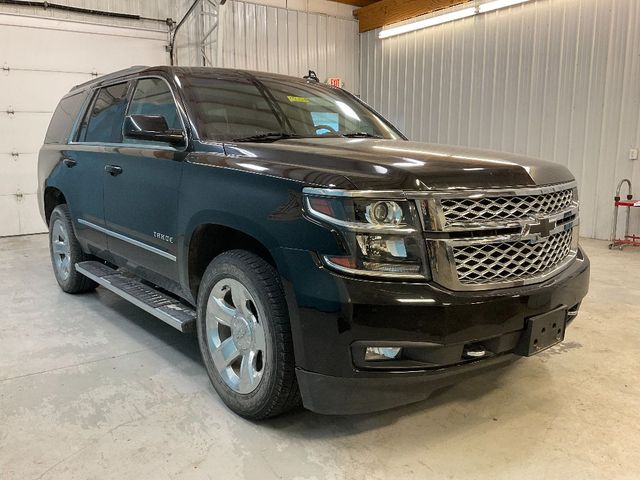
(359, 135)
(267, 137)
(275, 136)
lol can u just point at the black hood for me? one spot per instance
(372, 164)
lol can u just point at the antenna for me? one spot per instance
(312, 77)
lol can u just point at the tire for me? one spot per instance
(245, 336)
(66, 252)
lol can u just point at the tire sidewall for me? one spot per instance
(228, 266)
(59, 213)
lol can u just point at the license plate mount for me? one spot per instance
(542, 331)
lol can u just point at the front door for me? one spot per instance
(141, 189)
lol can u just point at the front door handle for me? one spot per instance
(69, 162)
(113, 170)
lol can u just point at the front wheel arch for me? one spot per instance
(210, 240)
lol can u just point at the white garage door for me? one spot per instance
(41, 59)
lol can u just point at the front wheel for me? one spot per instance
(66, 252)
(245, 336)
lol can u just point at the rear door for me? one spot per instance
(141, 189)
(85, 159)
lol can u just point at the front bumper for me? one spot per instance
(354, 395)
(331, 315)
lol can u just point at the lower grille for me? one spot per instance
(490, 263)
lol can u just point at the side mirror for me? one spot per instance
(153, 128)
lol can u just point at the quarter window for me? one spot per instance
(107, 115)
(153, 97)
(63, 118)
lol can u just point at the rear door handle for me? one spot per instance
(69, 162)
(113, 170)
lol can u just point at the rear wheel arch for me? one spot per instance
(66, 252)
(52, 198)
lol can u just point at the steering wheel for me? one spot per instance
(329, 128)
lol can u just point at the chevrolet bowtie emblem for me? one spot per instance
(542, 228)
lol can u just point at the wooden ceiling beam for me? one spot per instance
(356, 3)
(386, 12)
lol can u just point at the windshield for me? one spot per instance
(243, 110)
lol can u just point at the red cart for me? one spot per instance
(629, 203)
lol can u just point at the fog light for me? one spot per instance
(373, 354)
(475, 351)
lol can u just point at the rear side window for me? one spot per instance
(107, 115)
(153, 97)
(63, 118)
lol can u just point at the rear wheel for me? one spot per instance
(66, 252)
(245, 336)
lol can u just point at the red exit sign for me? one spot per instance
(335, 82)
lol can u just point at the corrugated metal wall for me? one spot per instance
(279, 40)
(555, 79)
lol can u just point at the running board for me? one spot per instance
(158, 304)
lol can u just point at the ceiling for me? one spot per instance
(374, 14)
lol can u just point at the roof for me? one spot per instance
(110, 76)
(184, 72)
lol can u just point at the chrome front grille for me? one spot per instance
(500, 238)
(510, 261)
(505, 207)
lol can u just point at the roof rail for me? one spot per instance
(109, 76)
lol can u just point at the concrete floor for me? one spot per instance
(92, 387)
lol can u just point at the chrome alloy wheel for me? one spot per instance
(236, 337)
(61, 249)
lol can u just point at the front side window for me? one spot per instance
(238, 109)
(105, 121)
(152, 96)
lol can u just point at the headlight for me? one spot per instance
(382, 237)
(381, 213)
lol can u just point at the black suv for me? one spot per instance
(321, 257)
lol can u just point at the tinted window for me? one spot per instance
(107, 115)
(314, 110)
(232, 109)
(63, 118)
(153, 97)
(226, 109)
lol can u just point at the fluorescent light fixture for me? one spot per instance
(495, 5)
(428, 22)
(448, 17)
